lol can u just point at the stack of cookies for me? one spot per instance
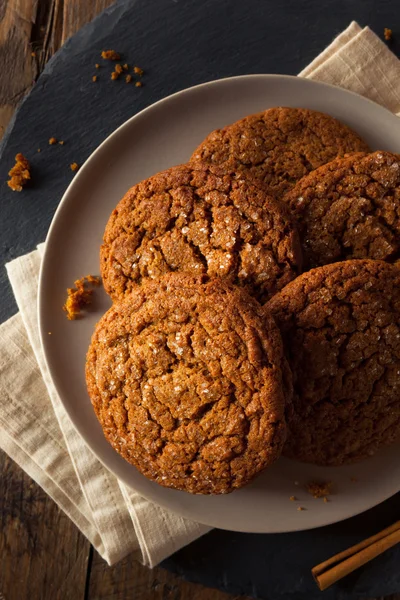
(256, 306)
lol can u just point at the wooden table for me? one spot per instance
(43, 555)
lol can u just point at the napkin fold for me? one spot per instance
(35, 430)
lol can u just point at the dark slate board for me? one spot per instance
(181, 43)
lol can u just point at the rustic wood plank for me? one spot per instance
(43, 555)
(130, 579)
(39, 27)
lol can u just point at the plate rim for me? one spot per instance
(181, 511)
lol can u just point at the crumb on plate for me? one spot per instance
(79, 296)
(319, 489)
(293, 498)
(301, 508)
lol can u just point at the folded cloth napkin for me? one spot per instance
(35, 430)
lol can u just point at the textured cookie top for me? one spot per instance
(280, 145)
(350, 208)
(341, 331)
(186, 380)
(200, 219)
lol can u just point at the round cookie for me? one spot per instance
(280, 145)
(200, 220)
(341, 331)
(349, 208)
(185, 377)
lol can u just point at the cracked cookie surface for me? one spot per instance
(280, 145)
(200, 220)
(349, 208)
(341, 331)
(185, 377)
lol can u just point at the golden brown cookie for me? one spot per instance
(185, 377)
(280, 145)
(200, 220)
(349, 208)
(341, 331)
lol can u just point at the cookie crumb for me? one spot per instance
(19, 174)
(125, 66)
(38, 150)
(138, 84)
(61, 142)
(94, 78)
(128, 78)
(301, 508)
(33, 54)
(97, 66)
(114, 75)
(293, 498)
(319, 489)
(326, 499)
(52, 141)
(138, 71)
(110, 55)
(74, 166)
(79, 296)
(387, 34)
(118, 69)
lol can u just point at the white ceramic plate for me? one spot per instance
(163, 135)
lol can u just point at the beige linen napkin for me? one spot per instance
(34, 428)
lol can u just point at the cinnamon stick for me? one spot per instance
(332, 570)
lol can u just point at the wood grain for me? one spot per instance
(43, 555)
(37, 27)
(129, 579)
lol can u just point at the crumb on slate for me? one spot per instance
(114, 75)
(138, 71)
(118, 69)
(61, 142)
(38, 150)
(128, 78)
(52, 141)
(110, 55)
(19, 174)
(387, 34)
(138, 84)
(94, 78)
(74, 166)
(319, 489)
(97, 66)
(79, 296)
(125, 66)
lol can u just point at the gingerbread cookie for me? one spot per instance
(280, 145)
(185, 377)
(200, 220)
(349, 208)
(341, 330)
